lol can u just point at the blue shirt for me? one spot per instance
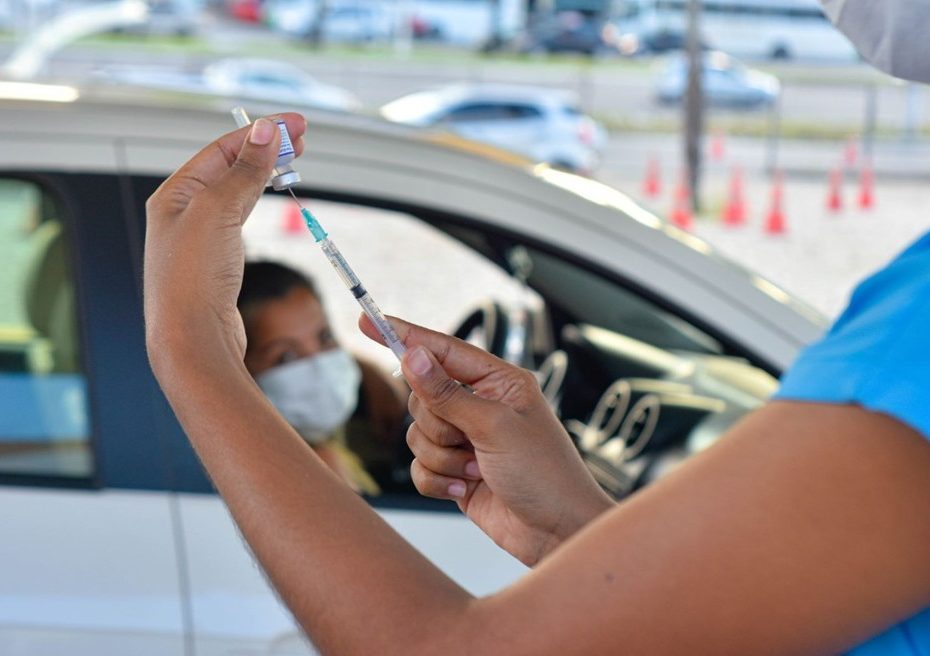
(877, 355)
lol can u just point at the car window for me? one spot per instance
(44, 424)
(265, 79)
(607, 305)
(470, 112)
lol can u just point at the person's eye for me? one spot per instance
(327, 338)
(286, 356)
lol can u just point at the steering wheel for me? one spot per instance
(489, 323)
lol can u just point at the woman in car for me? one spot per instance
(343, 407)
(805, 530)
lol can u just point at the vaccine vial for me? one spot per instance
(284, 175)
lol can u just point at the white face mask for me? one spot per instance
(315, 395)
(890, 34)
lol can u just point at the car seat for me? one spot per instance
(48, 294)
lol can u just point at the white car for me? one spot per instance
(114, 541)
(269, 80)
(727, 82)
(262, 80)
(347, 21)
(541, 124)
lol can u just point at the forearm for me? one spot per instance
(351, 581)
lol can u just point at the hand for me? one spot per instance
(499, 453)
(193, 250)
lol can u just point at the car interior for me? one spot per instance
(637, 386)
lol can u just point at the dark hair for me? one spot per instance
(265, 281)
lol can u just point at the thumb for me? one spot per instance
(444, 396)
(246, 179)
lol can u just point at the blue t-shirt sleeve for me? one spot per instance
(877, 354)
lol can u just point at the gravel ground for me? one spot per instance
(823, 255)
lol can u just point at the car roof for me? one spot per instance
(357, 157)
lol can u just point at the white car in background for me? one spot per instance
(263, 80)
(347, 21)
(727, 82)
(114, 541)
(268, 80)
(544, 125)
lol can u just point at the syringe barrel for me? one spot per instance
(385, 329)
(339, 263)
(361, 294)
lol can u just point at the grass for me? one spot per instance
(757, 127)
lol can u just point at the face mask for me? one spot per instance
(315, 395)
(890, 34)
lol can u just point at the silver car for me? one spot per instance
(541, 124)
(727, 82)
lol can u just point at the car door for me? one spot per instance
(88, 564)
(517, 127)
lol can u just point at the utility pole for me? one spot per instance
(495, 16)
(315, 35)
(694, 104)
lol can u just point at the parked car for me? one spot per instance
(346, 21)
(180, 18)
(727, 82)
(569, 32)
(265, 80)
(542, 124)
(275, 81)
(114, 541)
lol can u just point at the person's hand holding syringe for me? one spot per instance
(285, 177)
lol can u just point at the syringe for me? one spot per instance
(289, 177)
(369, 307)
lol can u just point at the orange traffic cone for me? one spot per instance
(681, 214)
(867, 187)
(718, 147)
(775, 223)
(835, 195)
(652, 184)
(734, 211)
(292, 222)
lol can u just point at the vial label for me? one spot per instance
(286, 152)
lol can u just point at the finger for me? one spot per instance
(439, 431)
(244, 182)
(437, 486)
(447, 461)
(463, 361)
(211, 163)
(446, 397)
(214, 160)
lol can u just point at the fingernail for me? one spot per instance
(419, 361)
(471, 469)
(262, 132)
(457, 489)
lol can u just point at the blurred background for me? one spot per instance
(791, 155)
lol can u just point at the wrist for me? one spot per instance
(175, 350)
(578, 515)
